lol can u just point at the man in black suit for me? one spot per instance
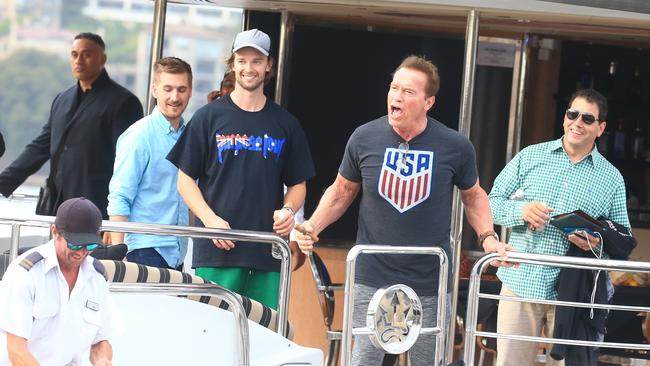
(80, 135)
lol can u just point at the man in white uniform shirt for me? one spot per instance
(54, 298)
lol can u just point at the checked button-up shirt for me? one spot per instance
(544, 173)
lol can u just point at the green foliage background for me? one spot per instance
(31, 79)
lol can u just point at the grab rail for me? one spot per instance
(441, 311)
(188, 289)
(279, 244)
(23, 197)
(549, 260)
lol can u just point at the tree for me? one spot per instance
(30, 80)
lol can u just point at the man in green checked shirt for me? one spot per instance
(541, 181)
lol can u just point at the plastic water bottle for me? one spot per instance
(529, 236)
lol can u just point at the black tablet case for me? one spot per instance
(577, 220)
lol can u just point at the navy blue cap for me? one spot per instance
(79, 220)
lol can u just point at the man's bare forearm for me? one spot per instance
(295, 196)
(335, 201)
(118, 237)
(477, 209)
(18, 352)
(193, 197)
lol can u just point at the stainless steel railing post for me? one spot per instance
(15, 238)
(441, 311)
(475, 295)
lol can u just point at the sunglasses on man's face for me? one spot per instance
(587, 118)
(89, 247)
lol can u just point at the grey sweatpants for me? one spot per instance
(365, 354)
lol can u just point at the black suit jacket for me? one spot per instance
(2, 145)
(80, 141)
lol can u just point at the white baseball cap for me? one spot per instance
(252, 38)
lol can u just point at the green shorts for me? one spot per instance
(258, 285)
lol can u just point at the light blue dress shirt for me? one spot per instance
(144, 185)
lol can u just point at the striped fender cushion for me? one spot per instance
(128, 272)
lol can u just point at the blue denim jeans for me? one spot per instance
(149, 257)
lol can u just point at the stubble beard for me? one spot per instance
(250, 88)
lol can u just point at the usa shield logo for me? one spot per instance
(405, 178)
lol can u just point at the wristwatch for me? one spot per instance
(485, 235)
(290, 210)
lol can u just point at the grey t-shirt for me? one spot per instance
(407, 197)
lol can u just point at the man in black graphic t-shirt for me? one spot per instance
(241, 149)
(406, 165)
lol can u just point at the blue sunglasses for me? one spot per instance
(89, 247)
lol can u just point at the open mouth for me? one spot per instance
(249, 77)
(396, 111)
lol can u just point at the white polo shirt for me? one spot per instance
(34, 304)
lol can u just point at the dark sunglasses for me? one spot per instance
(587, 118)
(89, 247)
(403, 149)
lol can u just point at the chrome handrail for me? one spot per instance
(350, 271)
(23, 197)
(187, 231)
(198, 289)
(474, 295)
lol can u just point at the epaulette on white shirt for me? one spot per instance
(31, 259)
(99, 267)
(34, 257)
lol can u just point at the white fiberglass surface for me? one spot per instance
(165, 330)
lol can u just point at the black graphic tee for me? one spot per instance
(241, 160)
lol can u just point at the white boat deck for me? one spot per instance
(165, 330)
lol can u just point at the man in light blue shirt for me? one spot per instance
(143, 186)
